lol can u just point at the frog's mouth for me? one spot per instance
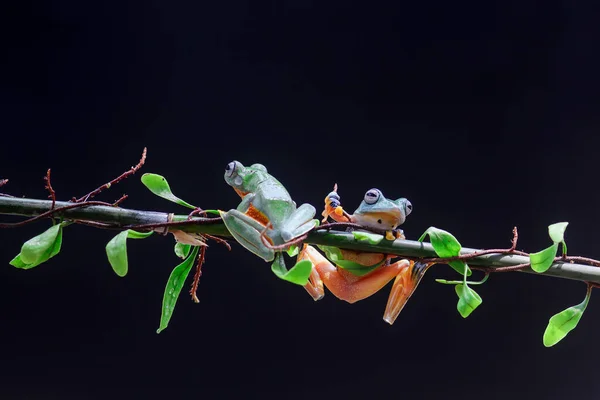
(385, 220)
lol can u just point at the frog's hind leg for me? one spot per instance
(404, 286)
(346, 286)
(247, 232)
(299, 222)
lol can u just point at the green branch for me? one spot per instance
(122, 218)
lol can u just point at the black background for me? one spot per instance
(483, 114)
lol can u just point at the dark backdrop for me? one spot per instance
(483, 114)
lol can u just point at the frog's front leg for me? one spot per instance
(246, 229)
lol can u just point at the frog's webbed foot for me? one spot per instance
(314, 287)
(395, 234)
(404, 286)
(298, 223)
(247, 231)
(333, 208)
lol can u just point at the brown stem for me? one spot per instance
(198, 274)
(118, 179)
(48, 186)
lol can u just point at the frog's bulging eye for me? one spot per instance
(408, 207)
(230, 168)
(372, 196)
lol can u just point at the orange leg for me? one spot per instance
(351, 288)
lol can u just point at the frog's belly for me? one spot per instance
(379, 220)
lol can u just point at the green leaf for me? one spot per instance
(356, 268)
(564, 322)
(468, 300)
(332, 253)
(35, 248)
(298, 274)
(182, 250)
(173, 288)
(293, 250)
(39, 248)
(557, 231)
(158, 185)
(131, 234)
(542, 260)
(116, 250)
(367, 237)
(446, 245)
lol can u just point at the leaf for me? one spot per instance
(356, 268)
(468, 300)
(39, 248)
(332, 253)
(446, 245)
(542, 260)
(563, 323)
(131, 234)
(557, 231)
(35, 248)
(298, 274)
(116, 250)
(367, 237)
(293, 250)
(173, 288)
(182, 250)
(158, 185)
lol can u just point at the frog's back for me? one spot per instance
(274, 201)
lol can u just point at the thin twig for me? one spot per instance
(198, 274)
(50, 213)
(121, 199)
(48, 186)
(118, 179)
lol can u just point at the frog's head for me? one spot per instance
(377, 212)
(244, 180)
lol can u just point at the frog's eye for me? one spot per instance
(230, 169)
(408, 207)
(372, 196)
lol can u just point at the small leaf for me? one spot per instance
(367, 237)
(116, 250)
(182, 250)
(557, 231)
(446, 245)
(563, 323)
(293, 250)
(131, 234)
(468, 300)
(35, 248)
(298, 274)
(39, 249)
(158, 185)
(332, 253)
(356, 268)
(542, 260)
(173, 288)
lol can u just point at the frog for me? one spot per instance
(266, 211)
(352, 285)
(375, 212)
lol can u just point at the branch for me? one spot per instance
(109, 216)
